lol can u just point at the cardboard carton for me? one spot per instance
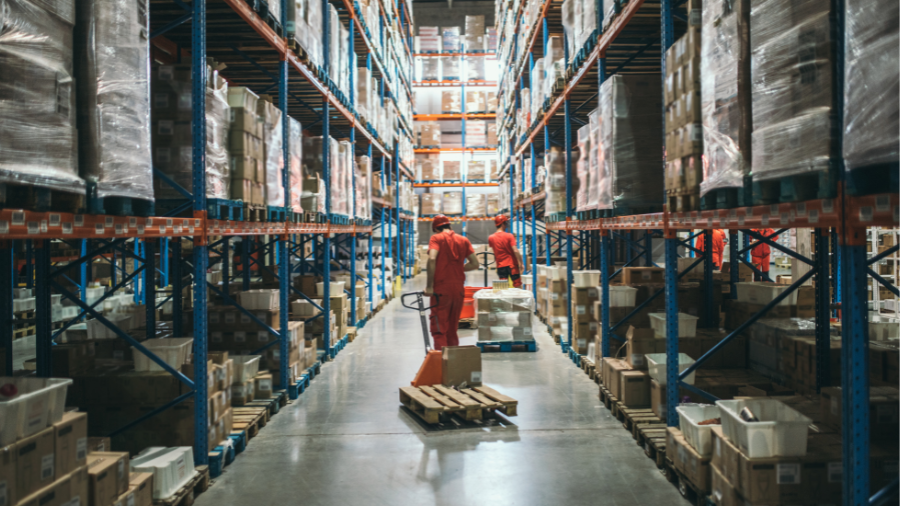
(8, 474)
(35, 462)
(121, 470)
(102, 480)
(461, 365)
(640, 342)
(70, 442)
(634, 387)
(141, 485)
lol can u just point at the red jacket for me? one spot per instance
(718, 246)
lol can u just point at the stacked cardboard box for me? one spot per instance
(584, 321)
(475, 35)
(451, 202)
(476, 102)
(684, 131)
(430, 204)
(428, 134)
(450, 170)
(246, 147)
(476, 205)
(428, 167)
(476, 133)
(429, 39)
(451, 102)
(504, 315)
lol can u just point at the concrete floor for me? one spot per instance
(346, 440)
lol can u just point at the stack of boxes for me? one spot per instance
(451, 170)
(428, 134)
(476, 42)
(504, 315)
(451, 102)
(584, 324)
(684, 131)
(476, 134)
(451, 202)
(246, 147)
(430, 204)
(476, 205)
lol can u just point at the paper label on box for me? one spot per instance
(81, 449)
(165, 127)
(47, 467)
(262, 336)
(592, 293)
(245, 318)
(240, 336)
(229, 318)
(787, 474)
(835, 472)
(645, 275)
(637, 359)
(580, 310)
(527, 331)
(718, 447)
(476, 377)
(265, 385)
(554, 296)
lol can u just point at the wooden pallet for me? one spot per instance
(185, 495)
(39, 199)
(685, 487)
(431, 403)
(250, 419)
(24, 332)
(652, 438)
(587, 365)
(467, 323)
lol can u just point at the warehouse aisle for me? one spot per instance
(347, 440)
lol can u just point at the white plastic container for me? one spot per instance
(882, 329)
(260, 300)
(586, 279)
(245, 367)
(621, 296)
(337, 288)
(758, 292)
(697, 435)
(172, 350)
(687, 324)
(39, 404)
(171, 468)
(781, 431)
(656, 363)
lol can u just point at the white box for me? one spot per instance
(656, 363)
(40, 403)
(763, 293)
(697, 435)
(171, 468)
(687, 324)
(337, 288)
(586, 279)
(245, 368)
(172, 350)
(780, 432)
(622, 296)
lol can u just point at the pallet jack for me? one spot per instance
(431, 371)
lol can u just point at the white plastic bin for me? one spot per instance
(883, 329)
(656, 363)
(687, 324)
(697, 435)
(259, 300)
(586, 279)
(758, 292)
(40, 403)
(245, 367)
(781, 431)
(622, 296)
(337, 288)
(172, 350)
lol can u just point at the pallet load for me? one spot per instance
(451, 202)
(504, 316)
(38, 134)
(271, 167)
(684, 131)
(430, 204)
(113, 76)
(246, 148)
(585, 293)
(725, 101)
(555, 187)
(170, 86)
(476, 205)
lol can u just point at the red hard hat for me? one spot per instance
(500, 219)
(439, 221)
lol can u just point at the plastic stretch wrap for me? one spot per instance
(341, 184)
(113, 76)
(452, 203)
(430, 204)
(568, 22)
(583, 170)
(475, 170)
(525, 103)
(537, 92)
(630, 152)
(555, 185)
(428, 168)
(364, 187)
(493, 204)
(510, 300)
(451, 102)
(594, 160)
(295, 158)
(791, 90)
(273, 159)
(450, 170)
(475, 69)
(431, 69)
(476, 205)
(313, 186)
(450, 68)
(872, 86)
(476, 102)
(315, 24)
(37, 132)
(503, 192)
(725, 93)
(450, 35)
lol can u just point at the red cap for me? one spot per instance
(439, 221)
(500, 219)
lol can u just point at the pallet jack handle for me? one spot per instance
(420, 307)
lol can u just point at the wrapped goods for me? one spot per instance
(428, 168)
(587, 20)
(431, 69)
(555, 184)
(450, 35)
(629, 156)
(247, 147)
(476, 133)
(475, 69)
(791, 89)
(492, 102)
(475, 40)
(569, 21)
(504, 315)
(37, 133)
(430, 204)
(450, 170)
(429, 134)
(725, 94)
(491, 139)
(451, 102)
(452, 203)
(112, 69)
(295, 158)
(475, 170)
(476, 205)
(537, 92)
(364, 187)
(872, 88)
(172, 151)
(273, 144)
(450, 68)
(476, 102)
(493, 204)
(429, 39)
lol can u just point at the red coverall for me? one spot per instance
(760, 253)
(503, 243)
(449, 283)
(718, 246)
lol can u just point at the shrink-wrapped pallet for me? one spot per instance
(450, 170)
(475, 40)
(295, 158)
(451, 102)
(450, 68)
(493, 204)
(273, 145)
(112, 71)
(451, 202)
(475, 170)
(475, 69)
(38, 137)
(476, 205)
(583, 172)
(504, 315)
(428, 168)
(430, 204)
(364, 187)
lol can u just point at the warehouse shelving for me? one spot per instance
(452, 84)
(634, 41)
(454, 150)
(254, 55)
(453, 185)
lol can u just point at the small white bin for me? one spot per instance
(758, 292)
(622, 296)
(245, 367)
(656, 363)
(260, 300)
(781, 431)
(172, 350)
(586, 279)
(687, 324)
(39, 404)
(883, 329)
(697, 435)
(337, 288)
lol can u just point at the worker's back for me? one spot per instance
(453, 249)
(502, 242)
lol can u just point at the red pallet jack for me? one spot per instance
(431, 371)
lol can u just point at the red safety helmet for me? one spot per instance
(439, 221)
(500, 219)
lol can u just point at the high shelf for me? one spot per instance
(633, 41)
(256, 53)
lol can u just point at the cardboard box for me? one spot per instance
(262, 386)
(616, 367)
(102, 472)
(451, 102)
(643, 275)
(71, 442)
(658, 399)
(725, 455)
(722, 491)
(634, 387)
(141, 485)
(639, 342)
(461, 364)
(122, 468)
(35, 462)
(884, 410)
(54, 494)
(8, 474)
(79, 489)
(694, 466)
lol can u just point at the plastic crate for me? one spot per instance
(586, 279)
(656, 363)
(40, 403)
(781, 431)
(622, 296)
(698, 436)
(260, 300)
(172, 350)
(763, 293)
(245, 367)
(337, 288)
(687, 324)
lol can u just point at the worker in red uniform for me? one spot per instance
(760, 253)
(718, 246)
(450, 256)
(506, 254)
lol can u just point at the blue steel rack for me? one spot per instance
(142, 240)
(840, 262)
